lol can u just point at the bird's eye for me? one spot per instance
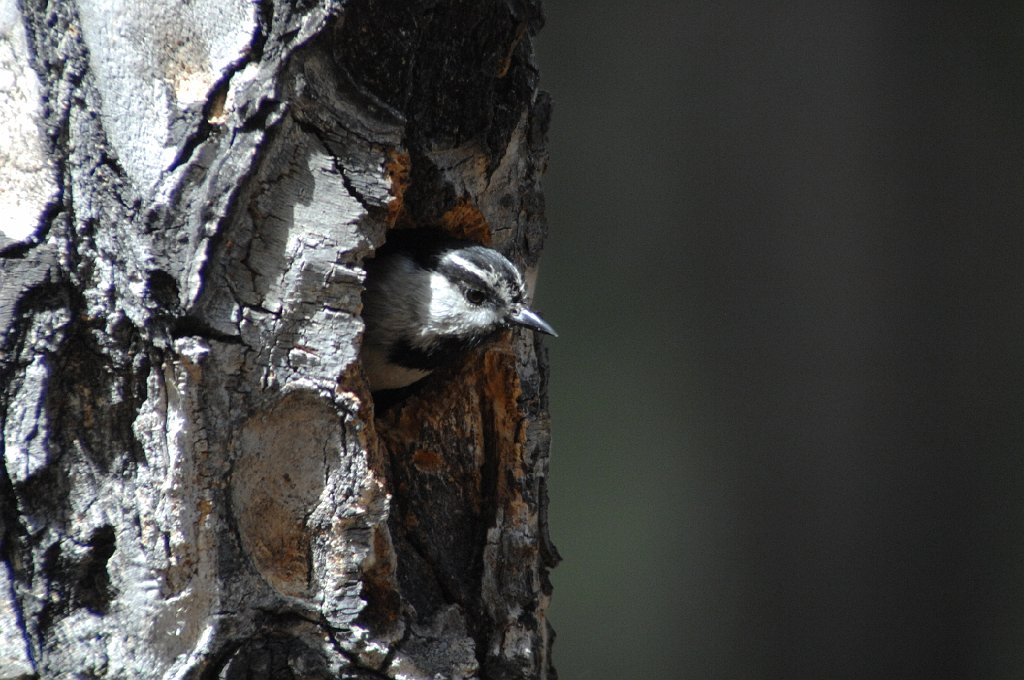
(475, 296)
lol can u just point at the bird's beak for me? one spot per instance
(528, 319)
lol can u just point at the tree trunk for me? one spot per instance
(196, 482)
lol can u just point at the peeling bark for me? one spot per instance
(196, 482)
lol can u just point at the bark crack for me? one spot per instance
(339, 167)
(213, 108)
(353, 658)
(7, 547)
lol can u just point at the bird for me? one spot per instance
(429, 298)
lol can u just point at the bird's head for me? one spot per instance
(476, 291)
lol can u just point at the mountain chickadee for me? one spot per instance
(429, 298)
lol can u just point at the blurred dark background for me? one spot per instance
(785, 261)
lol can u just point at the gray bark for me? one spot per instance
(196, 482)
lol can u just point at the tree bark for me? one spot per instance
(196, 482)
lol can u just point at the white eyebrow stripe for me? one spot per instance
(469, 266)
(488, 276)
(498, 273)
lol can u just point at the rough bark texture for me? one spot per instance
(196, 482)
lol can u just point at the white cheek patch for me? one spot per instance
(451, 314)
(445, 299)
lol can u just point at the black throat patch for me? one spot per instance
(438, 353)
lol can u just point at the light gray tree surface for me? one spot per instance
(196, 482)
